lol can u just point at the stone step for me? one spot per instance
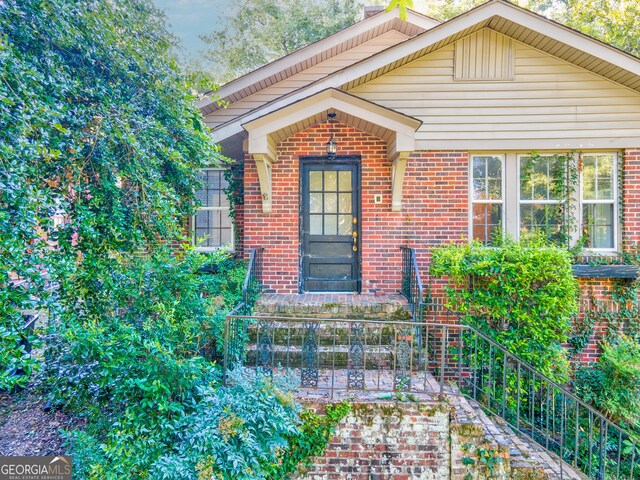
(334, 305)
(328, 333)
(527, 459)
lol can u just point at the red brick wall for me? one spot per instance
(388, 440)
(631, 198)
(600, 289)
(435, 207)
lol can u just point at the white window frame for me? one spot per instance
(613, 201)
(473, 201)
(228, 246)
(521, 202)
(511, 195)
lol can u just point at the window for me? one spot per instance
(486, 197)
(598, 200)
(212, 224)
(518, 194)
(541, 201)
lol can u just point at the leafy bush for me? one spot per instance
(523, 295)
(234, 432)
(613, 383)
(99, 129)
(128, 357)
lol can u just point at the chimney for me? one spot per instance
(371, 10)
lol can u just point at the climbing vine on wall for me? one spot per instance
(234, 176)
(552, 177)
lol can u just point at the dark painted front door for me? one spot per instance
(330, 224)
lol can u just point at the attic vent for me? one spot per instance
(484, 55)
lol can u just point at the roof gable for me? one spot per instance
(499, 15)
(306, 57)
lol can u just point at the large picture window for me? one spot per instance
(572, 199)
(486, 196)
(212, 225)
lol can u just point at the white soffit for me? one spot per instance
(266, 131)
(317, 52)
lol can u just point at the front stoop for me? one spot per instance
(333, 305)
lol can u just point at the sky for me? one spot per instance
(190, 18)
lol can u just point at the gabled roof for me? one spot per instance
(500, 15)
(395, 127)
(317, 52)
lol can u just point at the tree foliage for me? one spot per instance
(261, 31)
(97, 126)
(611, 21)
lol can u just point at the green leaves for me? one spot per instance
(263, 30)
(402, 5)
(98, 129)
(522, 294)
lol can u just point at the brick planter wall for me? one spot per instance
(404, 441)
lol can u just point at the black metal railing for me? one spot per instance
(448, 358)
(235, 338)
(412, 287)
(253, 280)
(542, 409)
(333, 354)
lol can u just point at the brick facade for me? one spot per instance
(435, 207)
(390, 441)
(435, 211)
(631, 199)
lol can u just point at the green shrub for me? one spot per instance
(613, 383)
(99, 128)
(128, 357)
(523, 295)
(234, 432)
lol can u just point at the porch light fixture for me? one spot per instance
(332, 145)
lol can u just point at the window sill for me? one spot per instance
(605, 271)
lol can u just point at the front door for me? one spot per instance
(330, 224)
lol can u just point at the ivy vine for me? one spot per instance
(234, 175)
(563, 183)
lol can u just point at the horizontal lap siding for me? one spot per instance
(305, 77)
(549, 99)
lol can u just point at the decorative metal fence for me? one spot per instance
(333, 356)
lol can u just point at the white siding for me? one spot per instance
(484, 55)
(549, 104)
(305, 77)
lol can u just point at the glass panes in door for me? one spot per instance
(330, 202)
